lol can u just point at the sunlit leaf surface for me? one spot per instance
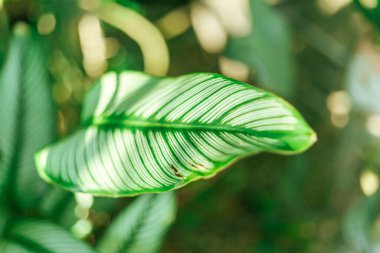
(143, 134)
(142, 226)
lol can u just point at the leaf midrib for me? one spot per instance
(112, 122)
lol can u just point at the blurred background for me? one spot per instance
(321, 55)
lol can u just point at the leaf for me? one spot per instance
(133, 5)
(4, 218)
(11, 247)
(3, 35)
(145, 134)
(64, 37)
(359, 226)
(267, 50)
(372, 13)
(140, 227)
(27, 117)
(42, 237)
(363, 77)
(57, 205)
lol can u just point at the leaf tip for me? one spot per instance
(313, 137)
(40, 159)
(308, 140)
(299, 141)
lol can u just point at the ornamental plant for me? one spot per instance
(139, 135)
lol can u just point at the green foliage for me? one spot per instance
(57, 205)
(28, 123)
(41, 236)
(3, 34)
(141, 226)
(4, 217)
(313, 202)
(371, 12)
(359, 224)
(157, 134)
(25, 102)
(267, 49)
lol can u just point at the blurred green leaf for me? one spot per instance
(57, 205)
(363, 77)
(64, 38)
(4, 218)
(41, 236)
(12, 247)
(4, 30)
(144, 134)
(133, 5)
(359, 224)
(267, 50)
(27, 116)
(142, 226)
(372, 13)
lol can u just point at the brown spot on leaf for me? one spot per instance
(175, 171)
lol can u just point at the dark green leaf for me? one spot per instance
(373, 14)
(142, 226)
(4, 218)
(3, 35)
(267, 49)
(145, 134)
(11, 247)
(57, 205)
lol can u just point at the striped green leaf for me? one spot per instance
(27, 118)
(144, 134)
(140, 228)
(31, 236)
